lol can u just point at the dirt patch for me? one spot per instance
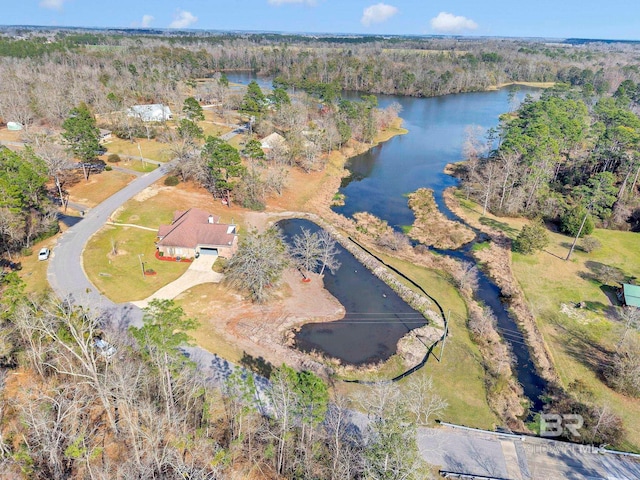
(266, 330)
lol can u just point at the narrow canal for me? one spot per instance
(381, 177)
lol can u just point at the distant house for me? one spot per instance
(631, 295)
(195, 231)
(155, 112)
(273, 141)
(105, 135)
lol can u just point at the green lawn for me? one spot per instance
(459, 378)
(581, 341)
(136, 165)
(120, 277)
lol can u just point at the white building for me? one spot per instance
(155, 112)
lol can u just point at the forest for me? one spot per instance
(562, 157)
(82, 398)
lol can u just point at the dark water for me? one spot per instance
(379, 182)
(376, 317)
(381, 177)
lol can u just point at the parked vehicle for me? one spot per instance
(44, 253)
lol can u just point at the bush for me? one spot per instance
(27, 252)
(571, 221)
(113, 158)
(623, 372)
(589, 244)
(108, 168)
(171, 181)
(532, 238)
(393, 241)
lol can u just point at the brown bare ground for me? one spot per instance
(265, 330)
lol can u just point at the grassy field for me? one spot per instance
(136, 165)
(150, 148)
(580, 340)
(157, 205)
(119, 276)
(99, 187)
(33, 271)
(459, 377)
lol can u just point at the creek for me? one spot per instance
(380, 179)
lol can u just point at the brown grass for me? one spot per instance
(431, 227)
(99, 187)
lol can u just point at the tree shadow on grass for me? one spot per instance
(502, 226)
(607, 275)
(257, 365)
(586, 351)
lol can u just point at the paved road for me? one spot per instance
(68, 279)
(66, 274)
(464, 451)
(495, 455)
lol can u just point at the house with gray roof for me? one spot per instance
(196, 232)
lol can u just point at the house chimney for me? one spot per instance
(211, 219)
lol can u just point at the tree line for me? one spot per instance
(87, 398)
(43, 81)
(568, 157)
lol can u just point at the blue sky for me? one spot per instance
(612, 19)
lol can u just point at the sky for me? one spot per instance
(611, 19)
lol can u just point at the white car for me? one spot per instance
(43, 254)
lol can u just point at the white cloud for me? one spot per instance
(146, 21)
(377, 13)
(183, 19)
(450, 23)
(284, 2)
(52, 4)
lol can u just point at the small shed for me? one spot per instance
(631, 295)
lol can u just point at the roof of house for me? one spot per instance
(192, 228)
(155, 112)
(273, 140)
(631, 295)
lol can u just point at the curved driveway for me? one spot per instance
(66, 274)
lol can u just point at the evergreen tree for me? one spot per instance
(225, 165)
(81, 133)
(193, 110)
(253, 102)
(532, 238)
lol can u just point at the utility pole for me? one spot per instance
(575, 240)
(140, 255)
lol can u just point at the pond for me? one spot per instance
(376, 317)
(381, 178)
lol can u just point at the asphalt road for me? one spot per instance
(456, 450)
(494, 455)
(65, 272)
